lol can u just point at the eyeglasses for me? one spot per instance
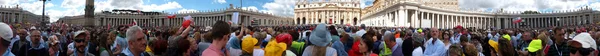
(79, 40)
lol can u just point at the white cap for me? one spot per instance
(5, 31)
(78, 32)
(586, 40)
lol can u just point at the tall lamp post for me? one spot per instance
(44, 12)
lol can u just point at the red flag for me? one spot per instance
(517, 20)
(187, 21)
(134, 22)
(171, 16)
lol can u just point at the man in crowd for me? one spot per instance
(6, 34)
(37, 48)
(560, 47)
(434, 46)
(136, 41)
(391, 43)
(362, 31)
(583, 45)
(220, 35)
(19, 46)
(81, 44)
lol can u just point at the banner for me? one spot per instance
(235, 17)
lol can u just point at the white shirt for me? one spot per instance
(268, 37)
(417, 52)
(258, 52)
(360, 33)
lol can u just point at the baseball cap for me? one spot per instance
(5, 31)
(78, 33)
(585, 39)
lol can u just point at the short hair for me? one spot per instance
(159, 46)
(464, 38)
(131, 31)
(555, 30)
(455, 49)
(183, 45)
(220, 29)
(389, 36)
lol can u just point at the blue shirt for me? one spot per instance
(8, 53)
(121, 41)
(127, 52)
(339, 46)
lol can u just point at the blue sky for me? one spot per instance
(60, 8)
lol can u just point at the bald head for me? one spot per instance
(435, 32)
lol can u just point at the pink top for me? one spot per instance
(212, 51)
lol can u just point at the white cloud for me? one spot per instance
(167, 6)
(35, 7)
(363, 3)
(281, 7)
(72, 3)
(521, 5)
(56, 14)
(250, 8)
(186, 10)
(125, 3)
(220, 1)
(595, 6)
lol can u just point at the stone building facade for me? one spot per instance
(401, 13)
(327, 11)
(200, 18)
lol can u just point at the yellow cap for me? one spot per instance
(535, 45)
(494, 44)
(506, 36)
(248, 44)
(275, 49)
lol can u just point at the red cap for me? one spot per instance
(459, 27)
(285, 38)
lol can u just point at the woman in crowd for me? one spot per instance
(320, 39)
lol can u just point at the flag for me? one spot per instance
(134, 23)
(187, 17)
(171, 16)
(517, 20)
(187, 21)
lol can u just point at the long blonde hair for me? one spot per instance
(319, 50)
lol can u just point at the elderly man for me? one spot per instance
(391, 43)
(136, 41)
(434, 46)
(81, 44)
(37, 48)
(6, 34)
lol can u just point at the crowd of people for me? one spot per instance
(225, 39)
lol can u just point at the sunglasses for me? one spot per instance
(78, 40)
(575, 49)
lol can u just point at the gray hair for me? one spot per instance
(389, 36)
(131, 31)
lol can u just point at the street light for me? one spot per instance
(44, 11)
